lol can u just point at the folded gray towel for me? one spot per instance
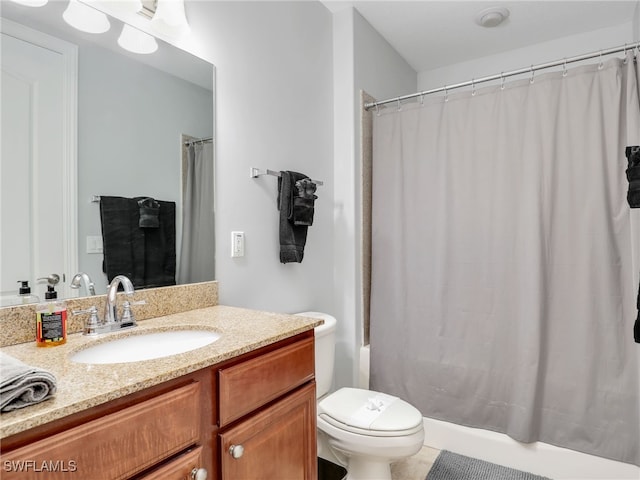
(22, 385)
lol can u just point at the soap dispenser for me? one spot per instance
(24, 293)
(51, 320)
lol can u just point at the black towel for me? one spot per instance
(160, 248)
(122, 238)
(146, 255)
(304, 202)
(292, 237)
(633, 175)
(636, 325)
(633, 197)
(149, 211)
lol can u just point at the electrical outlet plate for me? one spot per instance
(237, 244)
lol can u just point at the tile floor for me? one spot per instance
(416, 467)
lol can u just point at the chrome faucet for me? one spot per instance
(80, 278)
(111, 322)
(110, 313)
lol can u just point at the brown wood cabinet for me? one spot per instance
(259, 407)
(276, 443)
(279, 440)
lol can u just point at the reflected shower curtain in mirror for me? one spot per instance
(505, 259)
(197, 249)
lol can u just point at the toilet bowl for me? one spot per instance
(363, 430)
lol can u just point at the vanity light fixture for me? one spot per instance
(136, 41)
(31, 3)
(85, 18)
(169, 18)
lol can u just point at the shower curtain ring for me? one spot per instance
(446, 94)
(501, 80)
(377, 110)
(422, 99)
(601, 65)
(473, 87)
(625, 54)
(564, 68)
(532, 74)
(399, 106)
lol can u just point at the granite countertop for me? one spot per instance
(81, 386)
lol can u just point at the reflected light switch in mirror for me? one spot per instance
(94, 244)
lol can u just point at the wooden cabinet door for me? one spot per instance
(278, 442)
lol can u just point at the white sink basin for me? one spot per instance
(146, 346)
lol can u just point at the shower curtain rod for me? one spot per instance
(504, 75)
(199, 140)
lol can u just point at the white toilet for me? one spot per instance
(363, 430)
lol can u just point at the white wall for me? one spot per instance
(274, 110)
(636, 23)
(363, 60)
(287, 74)
(379, 69)
(540, 53)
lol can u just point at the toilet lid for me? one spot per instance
(362, 411)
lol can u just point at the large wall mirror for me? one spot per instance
(140, 120)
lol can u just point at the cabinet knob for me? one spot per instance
(236, 451)
(199, 474)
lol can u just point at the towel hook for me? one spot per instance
(473, 87)
(565, 72)
(531, 80)
(501, 80)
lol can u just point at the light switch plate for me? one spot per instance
(94, 244)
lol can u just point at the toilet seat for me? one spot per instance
(370, 413)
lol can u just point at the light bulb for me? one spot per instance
(170, 19)
(85, 18)
(136, 41)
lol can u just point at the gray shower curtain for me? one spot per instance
(505, 259)
(197, 252)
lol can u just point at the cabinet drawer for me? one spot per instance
(249, 385)
(177, 469)
(115, 446)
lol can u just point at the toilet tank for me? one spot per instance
(325, 340)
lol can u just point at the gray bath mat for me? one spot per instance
(452, 466)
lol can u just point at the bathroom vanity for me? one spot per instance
(243, 407)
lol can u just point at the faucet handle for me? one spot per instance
(90, 325)
(128, 319)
